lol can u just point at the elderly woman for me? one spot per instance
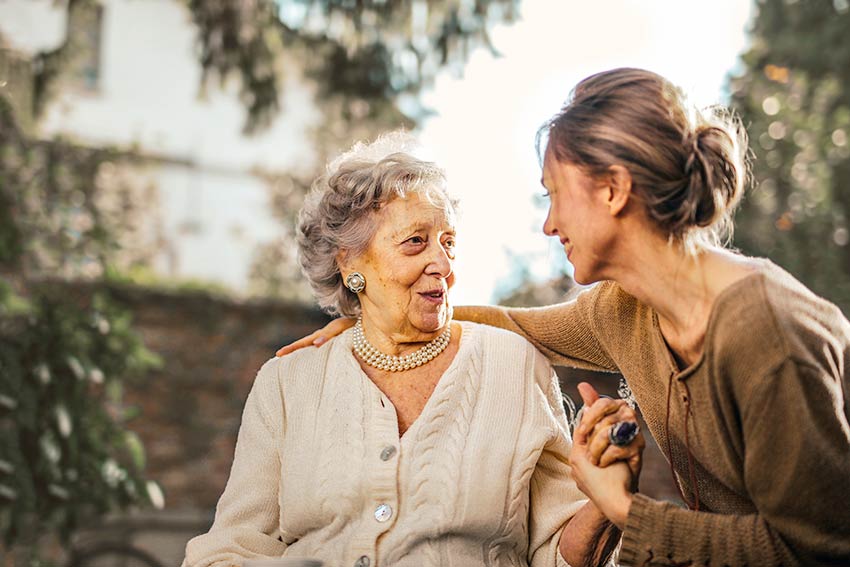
(410, 439)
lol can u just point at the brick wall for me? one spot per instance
(191, 408)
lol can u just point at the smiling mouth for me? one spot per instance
(435, 296)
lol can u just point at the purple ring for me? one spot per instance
(623, 432)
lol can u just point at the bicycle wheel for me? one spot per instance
(113, 555)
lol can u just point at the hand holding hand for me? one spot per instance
(605, 472)
(608, 488)
(598, 416)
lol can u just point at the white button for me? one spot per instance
(387, 453)
(383, 513)
(363, 561)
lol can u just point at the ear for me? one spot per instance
(619, 189)
(342, 262)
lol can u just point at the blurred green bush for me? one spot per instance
(66, 457)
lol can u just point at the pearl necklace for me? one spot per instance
(373, 357)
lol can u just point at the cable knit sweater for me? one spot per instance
(768, 412)
(480, 478)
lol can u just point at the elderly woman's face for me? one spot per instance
(408, 268)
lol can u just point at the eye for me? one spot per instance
(449, 243)
(415, 240)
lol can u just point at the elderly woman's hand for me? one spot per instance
(320, 337)
(598, 416)
(609, 488)
(605, 472)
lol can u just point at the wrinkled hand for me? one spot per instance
(320, 337)
(607, 474)
(597, 417)
(608, 488)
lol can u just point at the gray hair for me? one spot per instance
(340, 213)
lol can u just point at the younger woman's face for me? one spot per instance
(579, 217)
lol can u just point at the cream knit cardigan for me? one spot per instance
(480, 478)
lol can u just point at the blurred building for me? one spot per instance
(134, 84)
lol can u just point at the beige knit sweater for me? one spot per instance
(768, 412)
(480, 478)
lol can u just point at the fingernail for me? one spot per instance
(319, 341)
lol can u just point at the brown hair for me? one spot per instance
(688, 167)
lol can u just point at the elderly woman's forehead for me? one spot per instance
(425, 200)
(416, 210)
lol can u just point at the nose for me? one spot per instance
(440, 263)
(549, 228)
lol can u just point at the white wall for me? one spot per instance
(150, 98)
(222, 250)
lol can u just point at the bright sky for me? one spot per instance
(486, 121)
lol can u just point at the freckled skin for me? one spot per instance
(411, 254)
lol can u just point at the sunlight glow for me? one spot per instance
(485, 123)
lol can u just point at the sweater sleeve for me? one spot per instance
(554, 496)
(563, 332)
(247, 515)
(796, 465)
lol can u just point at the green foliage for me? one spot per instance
(241, 38)
(65, 455)
(52, 224)
(794, 98)
(144, 276)
(371, 50)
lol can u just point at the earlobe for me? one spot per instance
(619, 189)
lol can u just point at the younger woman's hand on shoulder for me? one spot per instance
(320, 337)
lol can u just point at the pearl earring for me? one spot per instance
(356, 282)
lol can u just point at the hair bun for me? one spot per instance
(715, 170)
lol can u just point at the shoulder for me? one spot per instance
(308, 356)
(618, 319)
(506, 352)
(797, 311)
(308, 363)
(493, 340)
(770, 319)
(775, 311)
(616, 304)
